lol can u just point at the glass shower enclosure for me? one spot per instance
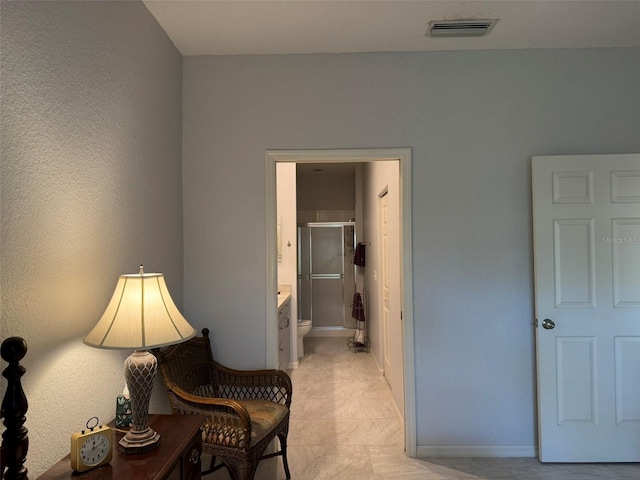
(326, 275)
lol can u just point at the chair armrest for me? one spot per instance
(208, 404)
(228, 421)
(273, 385)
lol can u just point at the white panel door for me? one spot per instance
(587, 280)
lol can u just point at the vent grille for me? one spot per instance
(460, 28)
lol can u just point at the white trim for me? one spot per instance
(349, 156)
(271, 306)
(486, 451)
(381, 372)
(411, 441)
(382, 335)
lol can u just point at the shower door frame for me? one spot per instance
(345, 265)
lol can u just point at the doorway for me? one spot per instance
(403, 157)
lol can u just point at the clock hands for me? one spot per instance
(102, 442)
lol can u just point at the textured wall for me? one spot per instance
(91, 187)
(473, 120)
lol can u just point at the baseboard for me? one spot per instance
(488, 451)
(380, 369)
(330, 332)
(293, 365)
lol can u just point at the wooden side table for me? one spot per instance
(177, 457)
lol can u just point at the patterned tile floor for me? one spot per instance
(344, 426)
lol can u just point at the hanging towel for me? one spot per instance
(357, 310)
(359, 258)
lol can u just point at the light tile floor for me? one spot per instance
(344, 426)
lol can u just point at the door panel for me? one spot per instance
(587, 259)
(574, 257)
(304, 280)
(304, 298)
(626, 258)
(304, 249)
(327, 254)
(576, 393)
(627, 351)
(328, 302)
(349, 275)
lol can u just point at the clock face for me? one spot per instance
(94, 449)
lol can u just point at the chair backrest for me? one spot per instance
(190, 366)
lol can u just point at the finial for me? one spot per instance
(141, 272)
(14, 349)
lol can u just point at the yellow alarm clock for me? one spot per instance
(91, 448)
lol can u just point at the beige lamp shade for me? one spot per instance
(140, 315)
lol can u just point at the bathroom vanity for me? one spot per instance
(284, 329)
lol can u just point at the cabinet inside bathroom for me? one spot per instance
(284, 329)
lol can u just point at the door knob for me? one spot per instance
(548, 324)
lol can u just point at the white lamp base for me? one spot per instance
(140, 371)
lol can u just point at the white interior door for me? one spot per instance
(386, 334)
(587, 280)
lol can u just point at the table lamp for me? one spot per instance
(140, 316)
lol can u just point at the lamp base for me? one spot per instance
(139, 442)
(139, 372)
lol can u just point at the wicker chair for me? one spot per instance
(246, 409)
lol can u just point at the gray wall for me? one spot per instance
(91, 187)
(326, 191)
(473, 120)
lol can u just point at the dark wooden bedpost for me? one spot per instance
(14, 408)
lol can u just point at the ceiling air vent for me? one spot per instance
(460, 28)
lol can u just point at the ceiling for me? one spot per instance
(236, 27)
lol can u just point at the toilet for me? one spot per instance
(304, 327)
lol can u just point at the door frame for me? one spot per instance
(384, 324)
(403, 155)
